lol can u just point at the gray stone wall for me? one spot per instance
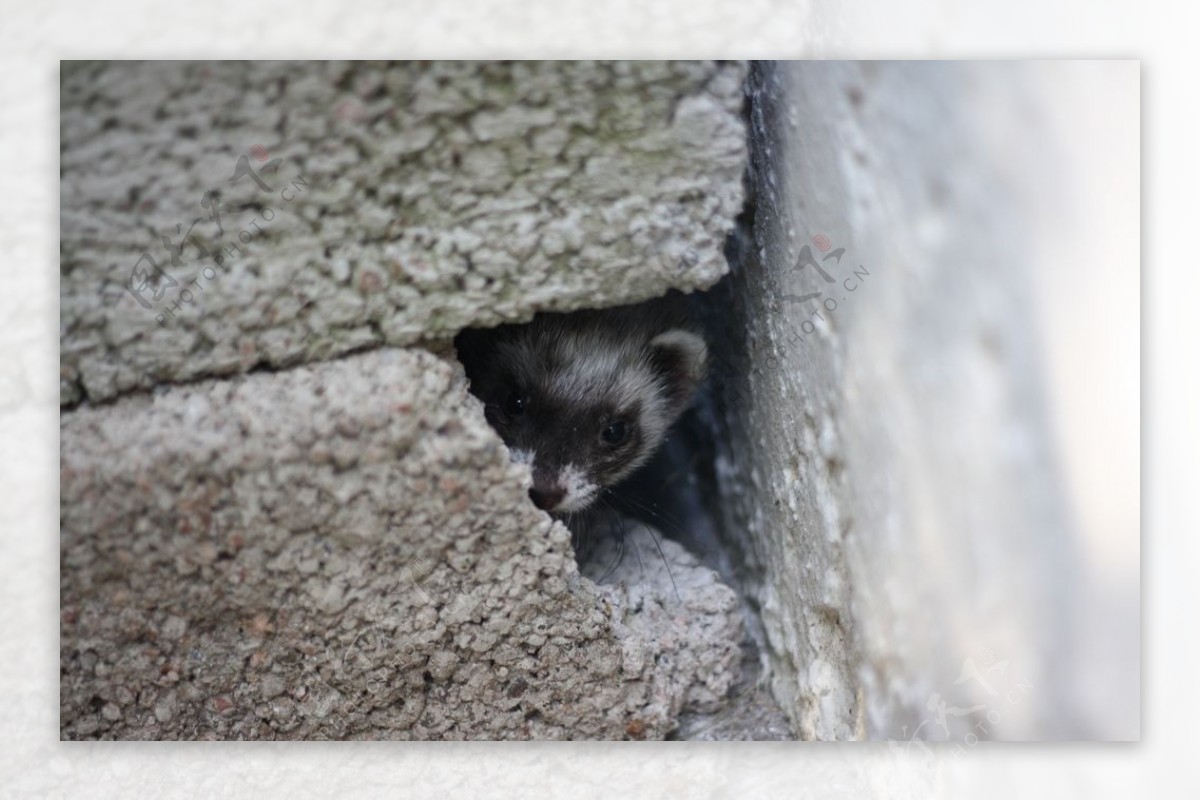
(282, 515)
(341, 551)
(408, 201)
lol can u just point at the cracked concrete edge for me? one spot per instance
(409, 201)
(343, 550)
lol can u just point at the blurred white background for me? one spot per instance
(1089, 310)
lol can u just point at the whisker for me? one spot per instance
(666, 564)
(579, 539)
(657, 545)
(641, 565)
(663, 517)
(620, 543)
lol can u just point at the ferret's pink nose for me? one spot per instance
(546, 499)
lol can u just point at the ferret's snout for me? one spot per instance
(546, 498)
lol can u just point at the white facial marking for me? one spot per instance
(579, 491)
(521, 456)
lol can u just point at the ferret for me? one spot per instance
(585, 398)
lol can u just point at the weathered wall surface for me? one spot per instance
(885, 453)
(341, 551)
(408, 201)
(335, 544)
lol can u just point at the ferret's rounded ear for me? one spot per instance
(681, 356)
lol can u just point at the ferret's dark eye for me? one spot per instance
(614, 433)
(514, 405)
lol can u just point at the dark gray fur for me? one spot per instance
(577, 374)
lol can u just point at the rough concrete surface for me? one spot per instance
(335, 544)
(378, 203)
(344, 551)
(285, 537)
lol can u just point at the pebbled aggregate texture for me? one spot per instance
(344, 550)
(374, 204)
(282, 516)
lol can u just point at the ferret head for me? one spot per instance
(585, 399)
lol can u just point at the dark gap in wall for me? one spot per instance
(692, 473)
(685, 478)
(678, 492)
(725, 311)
